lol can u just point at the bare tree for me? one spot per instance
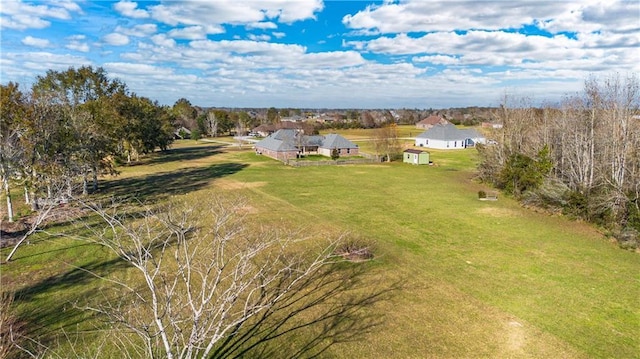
(212, 285)
(385, 141)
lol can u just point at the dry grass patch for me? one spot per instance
(229, 184)
(498, 212)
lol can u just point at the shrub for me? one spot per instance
(335, 154)
(482, 194)
(355, 250)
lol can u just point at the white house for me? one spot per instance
(449, 137)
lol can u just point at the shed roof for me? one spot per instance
(411, 150)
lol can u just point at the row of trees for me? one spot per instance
(582, 156)
(71, 127)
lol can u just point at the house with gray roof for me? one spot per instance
(286, 144)
(448, 137)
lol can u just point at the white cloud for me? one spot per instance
(255, 13)
(142, 30)
(265, 25)
(262, 37)
(78, 46)
(116, 39)
(429, 16)
(130, 9)
(163, 40)
(193, 32)
(278, 35)
(21, 16)
(29, 64)
(438, 59)
(36, 42)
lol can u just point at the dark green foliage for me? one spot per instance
(272, 115)
(335, 154)
(522, 173)
(196, 134)
(482, 194)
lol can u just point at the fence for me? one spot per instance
(355, 161)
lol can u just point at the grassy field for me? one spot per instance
(478, 279)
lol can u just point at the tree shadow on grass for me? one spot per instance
(334, 307)
(180, 154)
(164, 184)
(44, 324)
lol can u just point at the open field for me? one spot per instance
(479, 279)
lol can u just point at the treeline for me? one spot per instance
(71, 127)
(581, 157)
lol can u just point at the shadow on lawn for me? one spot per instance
(181, 154)
(44, 323)
(160, 185)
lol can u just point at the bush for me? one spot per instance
(628, 238)
(335, 154)
(355, 250)
(482, 194)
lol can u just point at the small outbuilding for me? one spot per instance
(416, 157)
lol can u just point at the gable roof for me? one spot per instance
(448, 132)
(285, 140)
(280, 141)
(411, 150)
(333, 140)
(432, 120)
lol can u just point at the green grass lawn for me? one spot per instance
(478, 279)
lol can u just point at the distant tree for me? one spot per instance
(272, 115)
(352, 115)
(196, 134)
(385, 141)
(185, 113)
(285, 112)
(201, 122)
(225, 122)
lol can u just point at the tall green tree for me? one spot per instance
(88, 100)
(185, 114)
(272, 115)
(14, 109)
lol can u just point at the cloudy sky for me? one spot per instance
(338, 54)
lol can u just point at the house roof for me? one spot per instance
(264, 128)
(290, 140)
(334, 140)
(449, 132)
(280, 141)
(432, 120)
(411, 150)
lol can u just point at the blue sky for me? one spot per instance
(327, 54)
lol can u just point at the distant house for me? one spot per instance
(286, 144)
(334, 141)
(181, 133)
(448, 137)
(430, 121)
(264, 130)
(416, 157)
